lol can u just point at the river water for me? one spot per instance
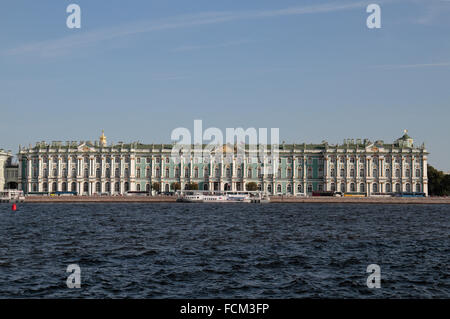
(176, 250)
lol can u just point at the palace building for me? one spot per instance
(95, 168)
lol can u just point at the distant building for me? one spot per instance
(354, 166)
(8, 171)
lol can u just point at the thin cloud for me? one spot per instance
(411, 66)
(66, 44)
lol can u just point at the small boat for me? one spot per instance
(12, 196)
(222, 197)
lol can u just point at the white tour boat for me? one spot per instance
(11, 196)
(222, 197)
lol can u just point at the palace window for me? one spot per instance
(279, 173)
(107, 187)
(98, 172)
(239, 172)
(310, 174)
(147, 172)
(167, 173)
(74, 187)
(249, 173)
(138, 173)
(127, 186)
(388, 188)
(196, 172)
(299, 188)
(86, 173)
(138, 187)
(278, 188)
(362, 188)
(310, 188)
(397, 172)
(352, 187)
(375, 172)
(117, 187)
(407, 173)
(260, 172)
(228, 172)
(127, 172)
(375, 188)
(98, 188)
(342, 172)
(418, 188)
(332, 172)
(388, 172)
(333, 187)
(408, 188)
(289, 189)
(167, 160)
(177, 172)
(86, 187)
(352, 172)
(138, 160)
(186, 172)
(361, 172)
(342, 159)
(342, 187)
(217, 172)
(55, 172)
(397, 188)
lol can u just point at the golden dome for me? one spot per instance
(103, 139)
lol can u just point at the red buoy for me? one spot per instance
(14, 207)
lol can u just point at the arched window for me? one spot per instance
(74, 172)
(333, 172)
(418, 173)
(98, 187)
(342, 172)
(375, 188)
(74, 187)
(362, 188)
(228, 172)
(64, 187)
(310, 188)
(147, 188)
(158, 172)
(333, 187)
(138, 173)
(98, 172)
(217, 172)
(117, 172)
(167, 173)
(342, 187)
(45, 187)
(397, 172)
(54, 187)
(85, 187)
(107, 187)
(352, 187)
(375, 172)
(352, 172)
(418, 188)
(126, 186)
(388, 188)
(408, 188)
(147, 172)
(361, 172)
(138, 187)
(388, 172)
(196, 172)
(397, 188)
(117, 187)
(289, 189)
(289, 172)
(177, 172)
(127, 172)
(64, 172)
(249, 173)
(278, 188)
(108, 172)
(407, 173)
(299, 188)
(269, 188)
(86, 173)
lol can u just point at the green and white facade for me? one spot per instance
(354, 166)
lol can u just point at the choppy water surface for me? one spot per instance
(224, 250)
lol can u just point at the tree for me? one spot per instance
(251, 186)
(175, 186)
(438, 182)
(156, 186)
(192, 186)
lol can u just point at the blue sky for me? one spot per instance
(139, 69)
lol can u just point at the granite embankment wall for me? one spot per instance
(274, 199)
